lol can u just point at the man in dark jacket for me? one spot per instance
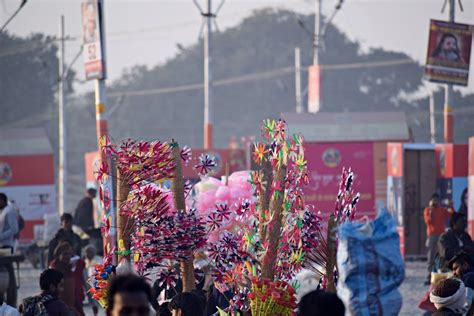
(65, 233)
(463, 269)
(51, 284)
(84, 216)
(454, 240)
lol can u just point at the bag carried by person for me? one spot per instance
(370, 267)
(35, 305)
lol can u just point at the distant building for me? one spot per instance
(27, 175)
(350, 140)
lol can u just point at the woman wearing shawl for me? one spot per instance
(451, 298)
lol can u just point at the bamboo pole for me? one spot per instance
(264, 198)
(331, 251)
(187, 267)
(124, 224)
(274, 228)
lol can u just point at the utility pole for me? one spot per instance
(299, 106)
(317, 31)
(432, 118)
(314, 71)
(209, 17)
(95, 66)
(62, 130)
(208, 114)
(449, 93)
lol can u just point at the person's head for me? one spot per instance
(187, 304)
(52, 282)
(63, 252)
(319, 303)
(128, 295)
(434, 200)
(458, 222)
(449, 43)
(3, 200)
(164, 310)
(460, 264)
(90, 252)
(451, 294)
(66, 221)
(91, 192)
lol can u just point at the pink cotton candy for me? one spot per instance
(223, 194)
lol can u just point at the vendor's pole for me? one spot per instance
(449, 94)
(177, 186)
(331, 251)
(124, 223)
(274, 232)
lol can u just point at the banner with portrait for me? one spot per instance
(92, 39)
(449, 52)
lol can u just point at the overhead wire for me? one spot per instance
(264, 75)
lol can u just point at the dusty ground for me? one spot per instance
(412, 289)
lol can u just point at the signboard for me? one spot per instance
(92, 39)
(29, 181)
(314, 88)
(325, 163)
(449, 52)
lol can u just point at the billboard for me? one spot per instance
(325, 163)
(92, 38)
(28, 180)
(449, 52)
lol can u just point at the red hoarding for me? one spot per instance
(325, 163)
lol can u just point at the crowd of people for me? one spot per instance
(450, 260)
(64, 284)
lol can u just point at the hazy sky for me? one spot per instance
(146, 31)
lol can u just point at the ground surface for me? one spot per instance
(412, 289)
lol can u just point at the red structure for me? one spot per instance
(414, 173)
(27, 175)
(355, 140)
(471, 186)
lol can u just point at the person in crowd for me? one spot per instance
(91, 259)
(65, 233)
(464, 199)
(164, 310)
(47, 302)
(435, 218)
(463, 268)
(8, 230)
(319, 303)
(454, 240)
(8, 223)
(129, 295)
(84, 215)
(187, 304)
(451, 298)
(5, 309)
(73, 272)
